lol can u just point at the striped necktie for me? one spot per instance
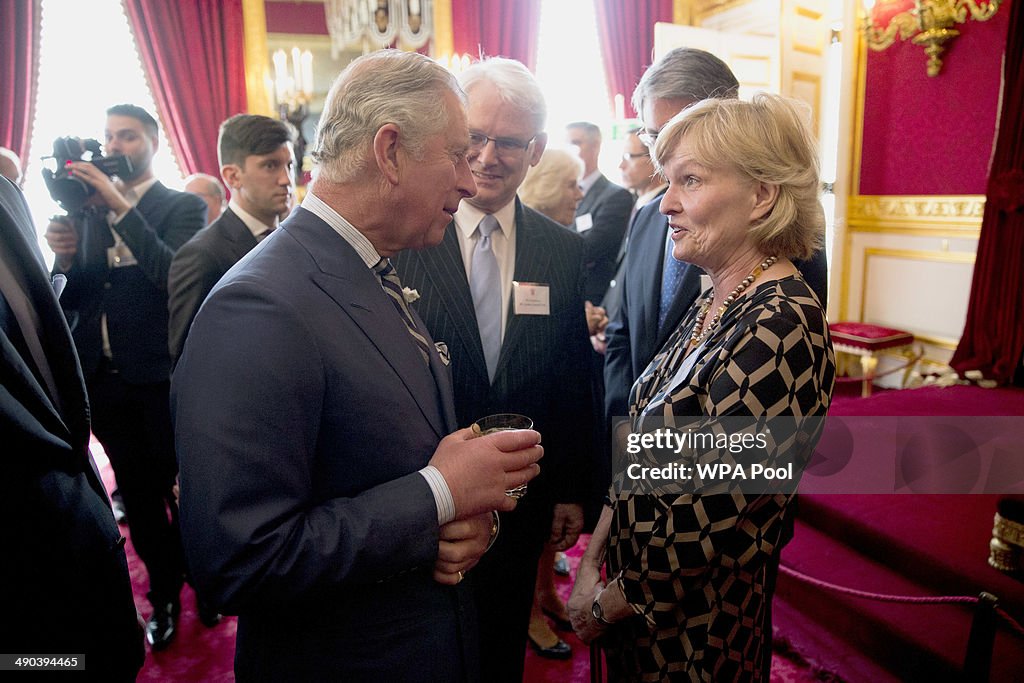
(393, 288)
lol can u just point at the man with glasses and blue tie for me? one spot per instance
(504, 291)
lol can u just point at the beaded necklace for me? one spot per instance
(699, 331)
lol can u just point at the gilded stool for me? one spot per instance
(867, 341)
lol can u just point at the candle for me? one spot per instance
(280, 75)
(307, 73)
(297, 66)
(620, 107)
(414, 7)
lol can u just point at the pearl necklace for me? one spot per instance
(699, 331)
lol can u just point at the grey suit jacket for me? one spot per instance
(64, 579)
(196, 268)
(303, 412)
(543, 369)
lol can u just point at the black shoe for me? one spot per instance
(559, 650)
(208, 614)
(162, 625)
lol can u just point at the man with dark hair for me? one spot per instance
(256, 161)
(602, 215)
(116, 253)
(64, 580)
(657, 290)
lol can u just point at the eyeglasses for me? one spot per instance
(649, 138)
(477, 141)
(629, 156)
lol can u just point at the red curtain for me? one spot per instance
(194, 59)
(19, 72)
(993, 339)
(626, 31)
(497, 28)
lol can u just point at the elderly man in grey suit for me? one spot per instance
(256, 161)
(504, 290)
(63, 579)
(324, 497)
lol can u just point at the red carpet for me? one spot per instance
(918, 545)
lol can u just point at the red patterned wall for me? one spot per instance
(933, 135)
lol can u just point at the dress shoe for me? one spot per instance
(162, 625)
(561, 565)
(560, 650)
(208, 614)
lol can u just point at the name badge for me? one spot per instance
(119, 256)
(584, 222)
(531, 298)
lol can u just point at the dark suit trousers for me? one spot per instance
(133, 422)
(503, 585)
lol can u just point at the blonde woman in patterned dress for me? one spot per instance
(691, 577)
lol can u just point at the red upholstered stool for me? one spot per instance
(867, 341)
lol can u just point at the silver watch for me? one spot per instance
(598, 611)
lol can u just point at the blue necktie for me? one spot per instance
(485, 286)
(671, 278)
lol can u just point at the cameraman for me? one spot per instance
(116, 252)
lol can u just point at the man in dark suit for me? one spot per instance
(320, 498)
(116, 254)
(602, 215)
(504, 291)
(64, 578)
(657, 290)
(256, 161)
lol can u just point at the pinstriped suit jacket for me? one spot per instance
(543, 369)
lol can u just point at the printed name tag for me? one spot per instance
(584, 222)
(531, 298)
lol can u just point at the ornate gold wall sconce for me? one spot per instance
(929, 24)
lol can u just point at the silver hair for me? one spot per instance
(388, 86)
(685, 73)
(516, 86)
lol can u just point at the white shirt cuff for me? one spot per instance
(442, 494)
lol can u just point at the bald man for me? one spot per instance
(210, 190)
(10, 166)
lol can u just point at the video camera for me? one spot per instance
(71, 193)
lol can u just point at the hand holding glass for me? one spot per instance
(498, 423)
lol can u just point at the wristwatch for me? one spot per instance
(598, 611)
